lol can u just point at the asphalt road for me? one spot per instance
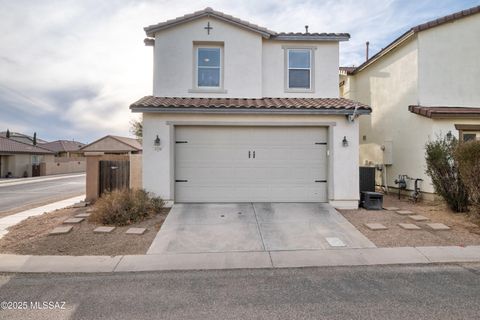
(398, 292)
(14, 198)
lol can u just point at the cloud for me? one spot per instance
(70, 69)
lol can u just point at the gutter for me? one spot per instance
(251, 111)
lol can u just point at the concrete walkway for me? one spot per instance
(255, 227)
(13, 219)
(240, 260)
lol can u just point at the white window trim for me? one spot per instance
(287, 69)
(199, 89)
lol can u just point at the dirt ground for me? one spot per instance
(465, 230)
(31, 236)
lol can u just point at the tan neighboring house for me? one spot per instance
(18, 159)
(113, 145)
(64, 148)
(422, 85)
(20, 137)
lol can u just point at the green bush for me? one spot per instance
(468, 158)
(443, 170)
(123, 207)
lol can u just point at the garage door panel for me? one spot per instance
(215, 163)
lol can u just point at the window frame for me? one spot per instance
(195, 85)
(467, 129)
(287, 69)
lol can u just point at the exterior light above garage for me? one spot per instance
(345, 142)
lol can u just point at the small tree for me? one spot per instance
(34, 138)
(8, 133)
(468, 158)
(443, 170)
(136, 128)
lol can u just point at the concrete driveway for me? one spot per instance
(254, 227)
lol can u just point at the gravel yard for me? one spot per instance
(464, 230)
(31, 236)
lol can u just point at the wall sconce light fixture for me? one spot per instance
(156, 143)
(449, 136)
(345, 142)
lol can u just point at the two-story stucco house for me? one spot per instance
(423, 85)
(240, 113)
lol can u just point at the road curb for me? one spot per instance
(238, 260)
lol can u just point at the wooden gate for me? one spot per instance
(113, 175)
(35, 170)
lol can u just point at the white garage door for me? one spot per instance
(250, 164)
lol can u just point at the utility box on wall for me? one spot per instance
(387, 149)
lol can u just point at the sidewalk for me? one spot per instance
(240, 260)
(13, 219)
(19, 181)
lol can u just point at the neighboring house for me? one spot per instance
(422, 85)
(64, 148)
(240, 113)
(18, 159)
(113, 145)
(20, 137)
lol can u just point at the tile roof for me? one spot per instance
(9, 146)
(62, 145)
(416, 29)
(20, 137)
(335, 105)
(445, 112)
(266, 33)
(347, 70)
(131, 143)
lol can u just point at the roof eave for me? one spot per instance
(219, 110)
(311, 38)
(394, 44)
(152, 30)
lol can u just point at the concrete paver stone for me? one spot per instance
(375, 226)
(61, 230)
(73, 220)
(409, 226)
(137, 231)
(438, 226)
(103, 229)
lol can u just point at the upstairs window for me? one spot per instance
(299, 64)
(209, 67)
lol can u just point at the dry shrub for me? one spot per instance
(124, 207)
(468, 158)
(442, 168)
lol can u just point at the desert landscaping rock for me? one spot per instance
(60, 230)
(137, 231)
(438, 226)
(375, 226)
(405, 212)
(104, 229)
(418, 217)
(391, 208)
(73, 220)
(409, 226)
(82, 215)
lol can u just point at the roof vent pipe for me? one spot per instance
(306, 29)
(366, 49)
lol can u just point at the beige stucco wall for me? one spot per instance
(253, 67)
(158, 165)
(62, 165)
(389, 86)
(325, 69)
(436, 67)
(449, 58)
(18, 164)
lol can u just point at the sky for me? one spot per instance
(69, 69)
